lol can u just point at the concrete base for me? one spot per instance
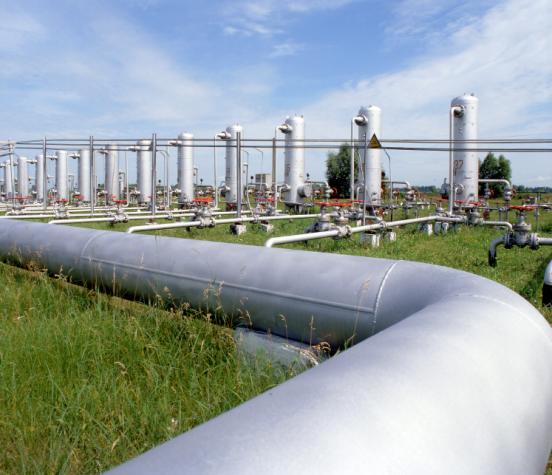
(391, 236)
(441, 228)
(372, 240)
(238, 229)
(267, 227)
(427, 229)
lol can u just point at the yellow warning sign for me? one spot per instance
(374, 142)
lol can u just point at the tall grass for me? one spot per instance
(88, 381)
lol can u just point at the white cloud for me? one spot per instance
(285, 49)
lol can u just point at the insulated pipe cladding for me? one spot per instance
(295, 189)
(185, 168)
(61, 175)
(464, 135)
(111, 173)
(144, 171)
(39, 177)
(231, 175)
(22, 178)
(451, 373)
(368, 121)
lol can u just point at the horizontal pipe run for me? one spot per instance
(499, 224)
(215, 222)
(342, 231)
(451, 373)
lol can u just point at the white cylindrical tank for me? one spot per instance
(294, 161)
(370, 158)
(39, 177)
(22, 178)
(84, 175)
(231, 175)
(61, 175)
(185, 168)
(8, 179)
(144, 171)
(111, 173)
(466, 163)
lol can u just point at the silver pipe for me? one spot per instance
(215, 222)
(460, 378)
(239, 173)
(44, 174)
(544, 241)
(343, 231)
(496, 180)
(503, 224)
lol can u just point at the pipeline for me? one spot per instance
(210, 222)
(455, 378)
(345, 231)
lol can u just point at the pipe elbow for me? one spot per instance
(492, 250)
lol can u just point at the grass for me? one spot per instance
(87, 380)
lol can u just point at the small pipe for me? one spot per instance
(492, 250)
(347, 230)
(544, 241)
(503, 224)
(215, 222)
(496, 180)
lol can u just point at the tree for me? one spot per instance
(338, 171)
(495, 168)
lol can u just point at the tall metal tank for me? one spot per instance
(369, 123)
(22, 178)
(231, 176)
(61, 175)
(39, 177)
(144, 171)
(465, 163)
(295, 190)
(185, 168)
(111, 173)
(84, 174)
(8, 179)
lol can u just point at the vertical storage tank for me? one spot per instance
(84, 174)
(8, 179)
(465, 162)
(61, 175)
(294, 161)
(369, 123)
(23, 178)
(111, 173)
(39, 177)
(144, 171)
(231, 175)
(185, 168)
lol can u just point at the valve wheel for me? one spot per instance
(202, 200)
(523, 207)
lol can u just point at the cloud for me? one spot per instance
(285, 49)
(269, 17)
(502, 57)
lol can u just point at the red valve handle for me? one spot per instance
(336, 203)
(203, 200)
(523, 207)
(62, 201)
(121, 202)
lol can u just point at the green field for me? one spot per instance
(88, 380)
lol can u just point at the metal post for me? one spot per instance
(92, 174)
(45, 174)
(215, 186)
(153, 174)
(365, 180)
(352, 164)
(274, 181)
(239, 177)
(127, 196)
(451, 166)
(10, 152)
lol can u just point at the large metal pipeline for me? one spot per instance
(456, 377)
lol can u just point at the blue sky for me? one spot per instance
(133, 67)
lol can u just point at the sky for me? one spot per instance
(128, 68)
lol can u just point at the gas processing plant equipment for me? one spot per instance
(368, 121)
(185, 168)
(231, 175)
